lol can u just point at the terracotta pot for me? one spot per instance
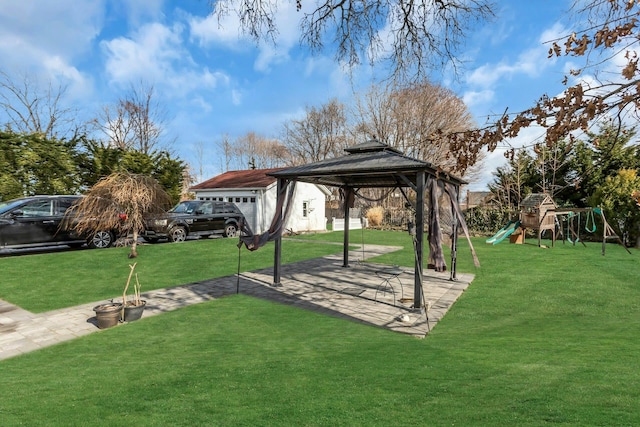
(107, 315)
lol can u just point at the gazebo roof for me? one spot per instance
(369, 164)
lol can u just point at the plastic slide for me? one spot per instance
(504, 232)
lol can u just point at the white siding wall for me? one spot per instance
(315, 219)
(260, 213)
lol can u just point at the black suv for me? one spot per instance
(200, 218)
(35, 221)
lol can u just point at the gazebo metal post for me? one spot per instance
(345, 250)
(277, 258)
(417, 286)
(454, 236)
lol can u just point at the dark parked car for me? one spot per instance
(36, 221)
(201, 218)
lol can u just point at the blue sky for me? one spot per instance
(214, 82)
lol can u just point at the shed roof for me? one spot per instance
(251, 178)
(370, 164)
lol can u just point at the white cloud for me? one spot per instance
(269, 56)
(65, 27)
(201, 104)
(472, 98)
(140, 11)
(531, 62)
(65, 30)
(209, 31)
(156, 54)
(226, 32)
(146, 54)
(236, 97)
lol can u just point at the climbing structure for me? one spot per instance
(537, 212)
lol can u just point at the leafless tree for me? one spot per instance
(30, 109)
(227, 151)
(412, 37)
(115, 125)
(121, 201)
(188, 180)
(258, 152)
(410, 117)
(136, 121)
(200, 156)
(322, 133)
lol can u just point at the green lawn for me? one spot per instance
(46, 282)
(541, 337)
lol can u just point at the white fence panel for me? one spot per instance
(354, 223)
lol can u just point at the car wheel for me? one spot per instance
(178, 234)
(101, 240)
(230, 230)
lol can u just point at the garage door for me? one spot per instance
(249, 210)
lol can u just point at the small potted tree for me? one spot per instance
(119, 202)
(132, 310)
(109, 314)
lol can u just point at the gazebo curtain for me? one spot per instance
(283, 207)
(434, 188)
(452, 192)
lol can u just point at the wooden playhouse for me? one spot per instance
(537, 212)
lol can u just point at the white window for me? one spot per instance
(305, 209)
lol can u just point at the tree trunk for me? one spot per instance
(134, 245)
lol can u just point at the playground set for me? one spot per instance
(540, 213)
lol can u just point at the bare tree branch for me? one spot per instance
(613, 26)
(29, 109)
(321, 134)
(135, 122)
(413, 37)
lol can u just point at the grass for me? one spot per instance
(541, 337)
(44, 282)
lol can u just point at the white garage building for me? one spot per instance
(254, 192)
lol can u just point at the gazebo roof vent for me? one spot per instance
(371, 146)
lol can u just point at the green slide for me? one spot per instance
(504, 232)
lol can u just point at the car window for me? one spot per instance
(180, 208)
(63, 205)
(230, 209)
(185, 207)
(9, 205)
(38, 208)
(207, 208)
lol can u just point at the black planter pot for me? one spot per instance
(133, 312)
(107, 315)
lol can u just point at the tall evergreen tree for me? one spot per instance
(603, 155)
(33, 164)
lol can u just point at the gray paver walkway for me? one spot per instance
(320, 284)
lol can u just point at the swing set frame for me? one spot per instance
(573, 231)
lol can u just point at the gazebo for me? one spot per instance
(373, 164)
